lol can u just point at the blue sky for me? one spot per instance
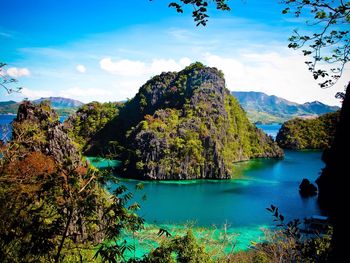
(105, 50)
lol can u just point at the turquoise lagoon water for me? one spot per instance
(240, 203)
(102, 163)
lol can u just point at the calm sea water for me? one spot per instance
(239, 202)
(5, 126)
(270, 129)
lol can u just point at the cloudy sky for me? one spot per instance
(106, 49)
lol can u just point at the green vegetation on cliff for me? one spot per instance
(183, 125)
(55, 207)
(317, 133)
(89, 119)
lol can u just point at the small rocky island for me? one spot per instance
(183, 125)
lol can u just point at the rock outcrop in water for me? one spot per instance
(186, 125)
(306, 188)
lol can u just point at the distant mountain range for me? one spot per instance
(63, 106)
(260, 107)
(269, 108)
(59, 102)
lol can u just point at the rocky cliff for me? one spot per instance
(37, 130)
(37, 127)
(186, 125)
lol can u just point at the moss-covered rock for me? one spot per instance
(38, 129)
(317, 133)
(89, 120)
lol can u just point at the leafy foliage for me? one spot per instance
(179, 249)
(6, 81)
(330, 42)
(89, 119)
(54, 206)
(317, 133)
(200, 9)
(295, 245)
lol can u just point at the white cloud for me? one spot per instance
(18, 72)
(35, 94)
(129, 75)
(184, 62)
(160, 65)
(127, 88)
(81, 68)
(232, 68)
(135, 68)
(282, 74)
(123, 67)
(85, 94)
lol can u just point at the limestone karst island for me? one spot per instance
(186, 131)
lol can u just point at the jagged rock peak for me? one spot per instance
(190, 127)
(37, 127)
(37, 113)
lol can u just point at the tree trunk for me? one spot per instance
(332, 181)
(57, 257)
